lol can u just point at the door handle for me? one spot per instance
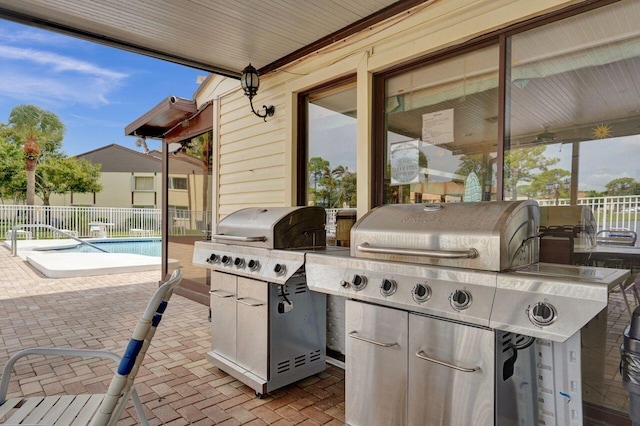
(242, 301)
(423, 355)
(354, 334)
(221, 293)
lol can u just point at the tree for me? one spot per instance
(40, 132)
(201, 147)
(623, 186)
(347, 189)
(519, 165)
(13, 179)
(59, 175)
(316, 168)
(551, 180)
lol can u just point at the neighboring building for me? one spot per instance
(129, 178)
(133, 179)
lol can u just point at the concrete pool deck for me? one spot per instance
(40, 255)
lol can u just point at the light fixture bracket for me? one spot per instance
(250, 82)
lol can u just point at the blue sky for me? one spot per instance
(95, 90)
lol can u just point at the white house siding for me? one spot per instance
(256, 160)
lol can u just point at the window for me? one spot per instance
(178, 183)
(565, 133)
(573, 145)
(330, 175)
(441, 131)
(143, 183)
(573, 102)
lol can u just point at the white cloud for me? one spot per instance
(59, 63)
(53, 79)
(18, 35)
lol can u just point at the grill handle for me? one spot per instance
(439, 254)
(221, 294)
(355, 335)
(238, 238)
(242, 300)
(423, 355)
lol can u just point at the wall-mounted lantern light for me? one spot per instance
(250, 83)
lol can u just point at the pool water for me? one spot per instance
(151, 247)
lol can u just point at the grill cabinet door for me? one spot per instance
(450, 394)
(376, 374)
(223, 315)
(253, 326)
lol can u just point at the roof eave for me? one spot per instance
(164, 116)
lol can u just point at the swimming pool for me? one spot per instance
(147, 247)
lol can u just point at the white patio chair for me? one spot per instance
(94, 410)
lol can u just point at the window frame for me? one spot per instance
(303, 132)
(134, 181)
(499, 37)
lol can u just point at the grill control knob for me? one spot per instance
(421, 293)
(226, 260)
(460, 299)
(542, 313)
(239, 262)
(253, 264)
(280, 269)
(388, 287)
(214, 258)
(358, 282)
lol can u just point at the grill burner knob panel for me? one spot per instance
(421, 293)
(214, 258)
(239, 262)
(253, 264)
(542, 314)
(358, 282)
(226, 260)
(280, 269)
(388, 287)
(460, 300)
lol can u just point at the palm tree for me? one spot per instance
(31, 154)
(40, 132)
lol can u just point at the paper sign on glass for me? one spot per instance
(437, 127)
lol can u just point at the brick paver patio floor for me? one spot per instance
(176, 384)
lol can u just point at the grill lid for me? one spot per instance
(274, 227)
(490, 236)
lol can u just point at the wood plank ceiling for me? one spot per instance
(219, 36)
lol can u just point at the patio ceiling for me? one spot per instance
(218, 36)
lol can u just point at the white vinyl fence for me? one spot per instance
(621, 212)
(116, 222)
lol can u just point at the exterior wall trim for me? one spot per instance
(356, 63)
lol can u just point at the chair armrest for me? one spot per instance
(82, 353)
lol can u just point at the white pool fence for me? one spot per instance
(620, 212)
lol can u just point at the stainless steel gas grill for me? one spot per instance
(450, 319)
(268, 329)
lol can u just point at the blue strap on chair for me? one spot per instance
(129, 357)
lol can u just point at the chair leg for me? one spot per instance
(623, 290)
(142, 417)
(636, 295)
(624, 286)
